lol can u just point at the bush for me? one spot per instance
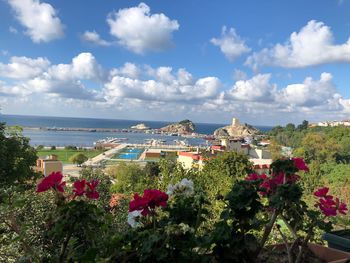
(79, 158)
(71, 147)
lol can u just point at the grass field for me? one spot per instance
(64, 155)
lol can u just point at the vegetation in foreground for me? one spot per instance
(162, 212)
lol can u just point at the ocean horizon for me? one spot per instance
(86, 139)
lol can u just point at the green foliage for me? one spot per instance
(17, 157)
(70, 147)
(79, 158)
(40, 147)
(129, 178)
(232, 164)
(53, 147)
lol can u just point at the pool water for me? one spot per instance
(129, 154)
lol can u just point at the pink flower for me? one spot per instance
(300, 164)
(53, 180)
(322, 192)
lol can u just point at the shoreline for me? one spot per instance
(124, 130)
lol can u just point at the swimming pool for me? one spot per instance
(129, 154)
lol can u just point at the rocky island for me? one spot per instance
(182, 127)
(236, 129)
(140, 126)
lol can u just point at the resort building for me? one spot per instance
(191, 160)
(260, 157)
(48, 164)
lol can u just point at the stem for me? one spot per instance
(198, 217)
(303, 245)
(65, 244)
(289, 227)
(288, 248)
(26, 247)
(267, 231)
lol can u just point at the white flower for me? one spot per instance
(185, 188)
(133, 219)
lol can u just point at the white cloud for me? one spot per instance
(134, 90)
(23, 67)
(40, 19)
(239, 75)
(312, 45)
(161, 84)
(94, 38)
(13, 30)
(127, 70)
(62, 80)
(255, 89)
(310, 93)
(140, 31)
(231, 45)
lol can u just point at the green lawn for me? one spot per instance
(64, 155)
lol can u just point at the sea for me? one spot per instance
(87, 139)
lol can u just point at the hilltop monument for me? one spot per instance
(236, 129)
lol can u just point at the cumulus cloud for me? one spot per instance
(62, 80)
(140, 89)
(312, 45)
(239, 75)
(257, 89)
(127, 70)
(40, 19)
(94, 38)
(140, 31)
(23, 67)
(310, 93)
(162, 84)
(230, 43)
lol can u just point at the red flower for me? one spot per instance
(79, 187)
(151, 199)
(300, 164)
(340, 206)
(53, 180)
(88, 188)
(91, 190)
(254, 177)
(327, 204)
(322, 192)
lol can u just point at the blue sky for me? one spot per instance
(265, 62)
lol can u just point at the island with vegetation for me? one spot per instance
(181, 127)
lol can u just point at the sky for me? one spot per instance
(264, 62)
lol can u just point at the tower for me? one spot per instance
(235, 122)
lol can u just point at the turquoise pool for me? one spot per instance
(129, 154)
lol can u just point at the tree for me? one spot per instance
(17, 157)
(53, 147)
(129, 178)
(290, 127)
(316, 146)
(79, 158)
(303, 126)
(152, 169)
(275, 150)
(71, 147)
(40, 147)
